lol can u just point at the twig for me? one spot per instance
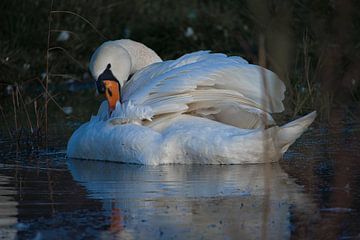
(47, 71)
(84, 19)
(66, 76)
(307, 64)
(24, 106)
(17, 96)
(5, 121)
(35, 98)
(36, 115)
(51, 97)
(15, 115)
(68, 54)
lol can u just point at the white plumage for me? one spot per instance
(201, 108)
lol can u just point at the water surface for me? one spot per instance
(313, 193)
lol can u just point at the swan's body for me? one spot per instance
(201, 108)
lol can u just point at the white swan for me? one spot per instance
(204, 107)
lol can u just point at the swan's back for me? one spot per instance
(210, 85)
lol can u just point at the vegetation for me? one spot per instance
(45, 48)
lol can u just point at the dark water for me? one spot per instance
(313, 193)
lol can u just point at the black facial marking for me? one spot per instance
(105, 75)
(100, 86)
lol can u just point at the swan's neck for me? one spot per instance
(125, 58)
(139, 55)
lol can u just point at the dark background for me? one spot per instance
(313, 46)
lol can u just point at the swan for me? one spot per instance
(202, 108)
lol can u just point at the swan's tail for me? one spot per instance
(289, 132)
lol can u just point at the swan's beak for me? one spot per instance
(112, 93)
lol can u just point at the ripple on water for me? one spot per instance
(313, 191)
(8, 208)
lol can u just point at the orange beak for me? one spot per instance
(112, 93)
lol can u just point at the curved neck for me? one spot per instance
(140, 55)
(125, 57)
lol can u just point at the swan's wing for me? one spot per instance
(223, 88)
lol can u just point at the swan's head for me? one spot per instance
(108, 84)
(114, 61)
(110, 65)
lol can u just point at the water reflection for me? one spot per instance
(8, 210)
(40, 200)
(43, 195)
(176, 201)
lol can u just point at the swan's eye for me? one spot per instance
(100, 86)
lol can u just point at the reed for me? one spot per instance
(47, 71)
(292, 46)
(39, 117)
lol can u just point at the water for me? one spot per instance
(313, 193)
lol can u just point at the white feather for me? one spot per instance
(214, 77)
(129, 112)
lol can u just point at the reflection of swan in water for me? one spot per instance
(194, 200)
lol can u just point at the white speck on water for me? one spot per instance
(9, 89)
(26, 66)
(43, 75)
(63, 36)
(189, 32)
(68, 110)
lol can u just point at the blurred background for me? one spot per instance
(313, 46)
